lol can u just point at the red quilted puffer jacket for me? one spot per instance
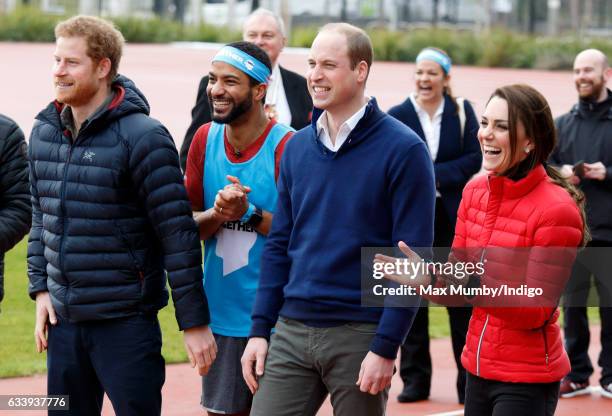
(518, 344)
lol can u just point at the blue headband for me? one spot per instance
(436, 56)
(244, 62)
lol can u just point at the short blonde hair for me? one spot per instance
(102, 38)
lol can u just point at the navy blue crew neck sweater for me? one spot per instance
(376, 190)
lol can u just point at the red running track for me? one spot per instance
(181, 393)
(169, 75)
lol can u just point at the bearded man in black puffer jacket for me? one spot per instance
(110, 218)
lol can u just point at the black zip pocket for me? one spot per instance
(135, 263)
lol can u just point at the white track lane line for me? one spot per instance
(451, 413)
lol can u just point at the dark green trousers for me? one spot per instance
(305, 363)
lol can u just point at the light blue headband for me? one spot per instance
(244, 62)
(436, 56)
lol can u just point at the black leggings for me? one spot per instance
(499, 398)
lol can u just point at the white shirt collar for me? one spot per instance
(277, 98)
(431, 127)
(420, 112)
(343, 132)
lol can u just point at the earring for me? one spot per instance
(527, 150)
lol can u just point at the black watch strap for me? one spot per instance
(256, 217)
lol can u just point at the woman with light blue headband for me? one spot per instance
(448, 125)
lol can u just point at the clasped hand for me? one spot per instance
(231, 202)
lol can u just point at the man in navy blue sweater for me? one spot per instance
(354, 178)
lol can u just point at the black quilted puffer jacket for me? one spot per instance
(15, 211)
(111, 216)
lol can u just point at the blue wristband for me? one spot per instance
(247, 215)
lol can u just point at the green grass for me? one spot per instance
(438, 322)
(17, 349)
(18, 356)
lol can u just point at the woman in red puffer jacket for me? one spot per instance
(514, 353)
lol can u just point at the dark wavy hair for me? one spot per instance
(527, 106)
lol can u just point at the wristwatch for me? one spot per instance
(255, 218)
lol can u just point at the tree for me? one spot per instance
(406, 15)
(381, 12)
(160, 7)
(452, 10)
(231, 13)
(575, 14)
(487, 15)
(587, 16)
(179, 10)
(285, 14)
(435, 12)
(603, 13)
(553, 16)
(531, 17)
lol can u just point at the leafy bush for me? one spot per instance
(498, 48)
(559, 53)
(503, 49)
(209, 33)
(27, 25)
(152, 30)
(31, 25)
(302, 37)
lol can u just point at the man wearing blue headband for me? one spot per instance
(231, 181)
(287, 98)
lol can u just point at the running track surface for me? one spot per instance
(181, 393)
(168, 75)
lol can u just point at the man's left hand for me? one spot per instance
(375, 373)
(201, 348)
(595, 171)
